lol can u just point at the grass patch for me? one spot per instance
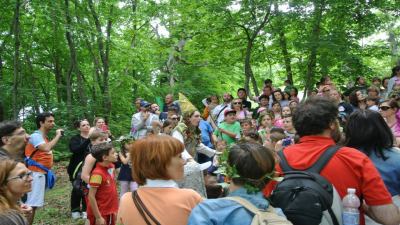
(56, 210)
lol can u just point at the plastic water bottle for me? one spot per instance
(351, 203)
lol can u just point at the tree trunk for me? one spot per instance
(32, 83)
(285, 54)
(247, 66)
(104, 52)
(251, 37)
(314, 44)
(283, 43)
(56, 53)
(17, 44)
(73, 57)
(173, 59)
(1, 110)
(394, 47)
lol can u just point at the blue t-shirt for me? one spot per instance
(36, 138)
(206, 130)
(389, 169)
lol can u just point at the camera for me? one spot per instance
(62, 133)
(286, 142)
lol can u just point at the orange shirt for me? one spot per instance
(167, 205)
(42, 157)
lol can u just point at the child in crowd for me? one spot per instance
(252, 136)
(293, 105)
(290, 132)
(277, 111)
(220, 147)
(276, 137)
(229, 130)
(214, 190)
(286, 111)
(247, 126)
(168, 126)
(293, 95)
(103, 196)
(96, 136)
(124, 177)
(265, 124)
(372, 103)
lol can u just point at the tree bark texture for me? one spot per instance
(251, 37)
(104, 51)
(74, 65)
(314, 44)
(17, 62)
(173, 59)
(280, 29)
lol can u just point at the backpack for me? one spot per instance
(261, 217)
(306, 197)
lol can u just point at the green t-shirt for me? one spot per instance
(233, 127)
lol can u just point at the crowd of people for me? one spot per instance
(180, 165)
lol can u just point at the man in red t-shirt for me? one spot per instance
(316, 123)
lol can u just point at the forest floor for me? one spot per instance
(56, 210)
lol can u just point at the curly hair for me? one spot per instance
(314, 116)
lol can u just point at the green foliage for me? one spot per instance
(199, 45)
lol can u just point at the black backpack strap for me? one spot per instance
(323, 159)
(333, 216)
(221, 111)
(317, 166)
(283, 163)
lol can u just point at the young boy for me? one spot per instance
(103, 196)
(247, 126)
(372, 103)
(229, 130)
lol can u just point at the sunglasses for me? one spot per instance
(236, 103)
(174, 118)
(384, 108)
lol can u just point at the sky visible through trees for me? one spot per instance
(86, 58)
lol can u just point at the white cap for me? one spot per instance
(351, 190)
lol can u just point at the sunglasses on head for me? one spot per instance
(384, 108)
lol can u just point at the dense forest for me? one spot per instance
(86, 58)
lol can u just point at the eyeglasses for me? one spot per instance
(21, 133)
(384, 108)
(236, 103)
(22, 176)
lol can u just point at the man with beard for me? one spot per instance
(316, 123)
(142, 122)
(218, 112)
(13, 139)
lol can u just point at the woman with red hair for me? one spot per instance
(156, 166)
